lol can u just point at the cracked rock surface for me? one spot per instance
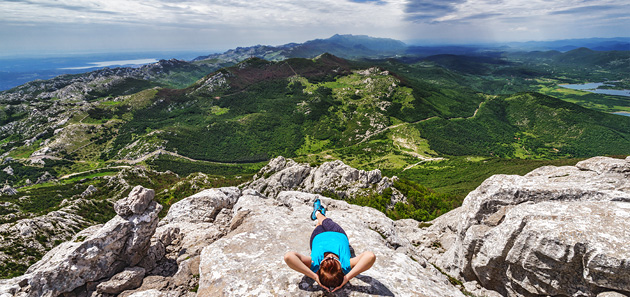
(555, 231)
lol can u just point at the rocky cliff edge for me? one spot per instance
(555, 231)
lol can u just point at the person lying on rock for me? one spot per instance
(330, 263)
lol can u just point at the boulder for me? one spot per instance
(136, 203)
(555, 231)
(203, 206)
(278, 175)
(8, 170)
(190, 225)
(331, 177)
(45, 178)
(8, 190)
(130, 278)
(91, 189)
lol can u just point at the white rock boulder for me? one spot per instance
(555, 231)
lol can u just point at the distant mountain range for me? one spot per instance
(344, 46)
(361, 46)
(597, 44)
(14, 72)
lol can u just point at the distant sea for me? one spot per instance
(15, 71)
(593, 88)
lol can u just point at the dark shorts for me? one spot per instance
(327, 225)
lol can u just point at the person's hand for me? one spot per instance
(345, 281)
(320, 284)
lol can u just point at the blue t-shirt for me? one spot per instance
(331, 242)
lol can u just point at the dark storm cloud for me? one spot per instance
(429, 10)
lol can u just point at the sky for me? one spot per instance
(74, 26)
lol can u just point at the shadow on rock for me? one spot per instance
(373, 287)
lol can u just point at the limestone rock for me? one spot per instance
(136, 203)
(36, 234)
(248, 261)
(190, 225)
(8, 190)
(558, 231)
(555, 231)
(331, 177)
(203, 206)
(89, 191)
(45, 178)
(130, 278)
(8, 170)
(157, 293)
(280, 175)
(93, 254)
(611, 294)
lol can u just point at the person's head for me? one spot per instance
(330, 273)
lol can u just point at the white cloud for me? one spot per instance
(227, 23)
(237, 13)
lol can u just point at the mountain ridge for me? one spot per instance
(344, 46)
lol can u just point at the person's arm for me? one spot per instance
(301, 264)
(359, 264)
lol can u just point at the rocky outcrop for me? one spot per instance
(8, 170)
(46, 177)
(558, 231)
(248, 261)
(224, 242)
(94, 254)
(24, 240)
(331, 177)
(555, 231)
(91, 189)
(172, 261)
(8, 190)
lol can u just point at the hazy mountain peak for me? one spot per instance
(344, 46)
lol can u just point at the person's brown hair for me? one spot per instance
(330, 273)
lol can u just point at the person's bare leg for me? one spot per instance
(320, 218)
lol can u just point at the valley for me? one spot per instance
(441, 123)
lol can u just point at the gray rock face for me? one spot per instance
(130, 278)
(248, 261)
(203, 206)
(136, 203)
(96, 253)
(190, 225)
(555, 231)
(89, 191)
(559, 231)
(333, 177)
(8, 190)
(45, 177)
(36, 235)
(8, 170)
